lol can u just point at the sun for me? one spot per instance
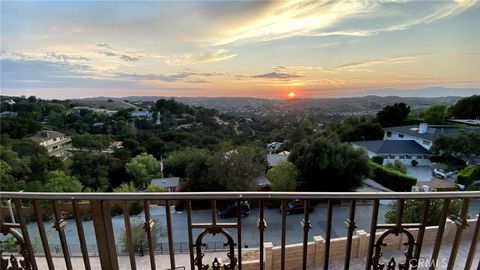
(291, 94)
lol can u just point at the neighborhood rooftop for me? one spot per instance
(45, 135)
(432, 131)
(393, 147)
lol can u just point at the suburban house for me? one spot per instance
(423, 134)
(407, 143)
(169, 184)
(393, 150)
(56, 143)
(142, 114)
(274, 146)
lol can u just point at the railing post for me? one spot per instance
(268, 255)
(102, 222)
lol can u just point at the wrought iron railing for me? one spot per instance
(99, 207)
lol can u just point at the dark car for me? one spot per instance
(296, 206)
(230, 210)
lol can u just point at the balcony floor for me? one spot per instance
(163, 262)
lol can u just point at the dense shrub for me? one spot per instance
(468, 175)
(378, 160)
(414, 163)
(397, 166)
(413, 208)
(391, 178)
(139, 236)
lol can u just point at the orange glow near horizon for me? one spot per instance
(291, 94)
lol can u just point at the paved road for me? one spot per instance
(294, 231)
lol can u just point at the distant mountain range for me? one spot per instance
(372, 100)
(422, 92)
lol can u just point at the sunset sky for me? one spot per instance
(264, 49)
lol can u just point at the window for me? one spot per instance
(401, 135)
(389, 134)
(425, 157)
(391, 157)
(401, 157)
(408, 157)
(426, 142)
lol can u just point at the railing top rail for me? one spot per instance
(238, 195)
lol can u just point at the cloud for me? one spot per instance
(340, 18)
(205, 57)
(186, 76)
(128, 56)
(278, 75)
(363, 65)
(28, 73)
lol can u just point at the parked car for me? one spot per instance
(230, 210)
(296, 206)
(443, 174)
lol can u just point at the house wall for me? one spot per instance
(427, 144)
(408, 162)
(388, 158)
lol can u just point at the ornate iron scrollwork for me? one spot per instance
(391, 265)
(12, 263)
(216, 264)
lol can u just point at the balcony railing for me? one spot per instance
(306, 254)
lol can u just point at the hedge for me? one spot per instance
(378, 160)
(391, 179)
(468, 175)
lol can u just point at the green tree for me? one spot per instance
(283, 176)
(328, 165)
(413, 208)
(18, 127)
(154, 188)
(139, 236)
(97, 142)
(463, 144)
(359, 129)
(466, 108)
(236, 169)
(14, 171)
(142, 169)
(393, 115)
(98, 171)
(134, 207)
(435, 114)
(58, 181)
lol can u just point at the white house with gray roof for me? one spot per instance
(423, 134)
(396, 150)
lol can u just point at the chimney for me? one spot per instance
(422, 129)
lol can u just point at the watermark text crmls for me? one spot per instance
(426, 263)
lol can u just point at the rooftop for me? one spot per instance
(432, 131)
(387, 147)
(45, 135)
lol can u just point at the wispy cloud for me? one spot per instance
(363, 65)
(277, 75)
(341, 18)
(125, 55)
(195, 58)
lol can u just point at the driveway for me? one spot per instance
(422, 173)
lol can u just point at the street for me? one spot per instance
(250, 233)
